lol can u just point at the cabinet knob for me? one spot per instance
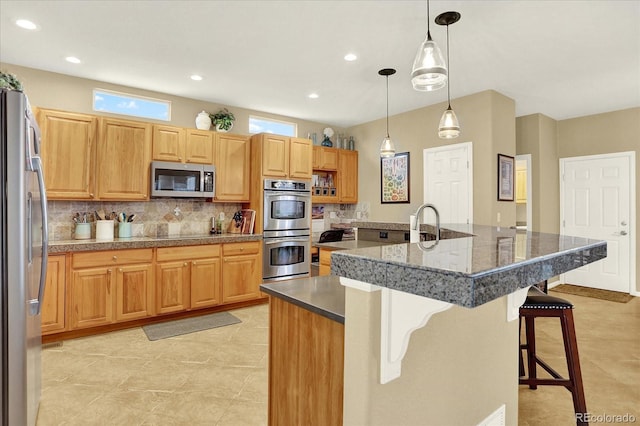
(120, 270)
(184, 264)
(194, 262)
(241, 248)
(115, 257)
(91, 195)
(108, 271)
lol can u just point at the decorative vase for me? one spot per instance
(326, 141)
(203, 121)
(218, 129)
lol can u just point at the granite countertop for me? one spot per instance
(321, 295)
(64, 246)
(471, 270)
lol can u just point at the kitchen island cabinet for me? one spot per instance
(232, 160)
(411, 312)
(124, 156)
(68, 154)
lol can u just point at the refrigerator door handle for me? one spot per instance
(35, 305)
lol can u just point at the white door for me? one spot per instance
(595, 202)
(448, 183)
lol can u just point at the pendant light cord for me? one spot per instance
(387, 106)
(428, 24)
(448, 71)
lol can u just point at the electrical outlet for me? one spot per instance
(333, 215)
(358, 215)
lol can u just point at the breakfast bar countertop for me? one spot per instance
(471, 270)
(66, 246)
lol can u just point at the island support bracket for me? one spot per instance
(401, 314)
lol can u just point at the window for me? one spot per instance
(268, 125)
(126, 104)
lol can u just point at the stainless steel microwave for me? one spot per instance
(170, 179)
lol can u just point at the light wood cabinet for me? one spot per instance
(521, 186)
(233, 162)
(337, 172)
(241, 271)
(68, 154)
(325, 158)
(348, 176)
(187, 278)
(124, 155)
(199, 146)
(53, 304)
(168, 143)
(306, 366)
(99, 279)
(325, 261)
(300, 158)
(284, 157)
(134, 292)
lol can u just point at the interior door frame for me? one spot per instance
(527, 158)
(631, 157)
(469, 148)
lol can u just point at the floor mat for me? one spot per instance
(612, 296)
(188, 325)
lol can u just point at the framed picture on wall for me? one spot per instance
(394, 179)
(506, 177)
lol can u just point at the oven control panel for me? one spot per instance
(287, 185)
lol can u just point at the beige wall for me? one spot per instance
(64, 92)
(487, 120)
(549, 140)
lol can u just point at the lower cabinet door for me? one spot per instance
(172, 287)
(53, 305)
(241, 277)
(91, 297)
(134, 292)
(205, 283)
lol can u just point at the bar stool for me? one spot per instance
(539, 304)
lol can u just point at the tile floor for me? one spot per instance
(219, 376)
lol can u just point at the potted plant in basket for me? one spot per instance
(223, 120)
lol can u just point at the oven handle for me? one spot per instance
(271, 241)
(290, 193)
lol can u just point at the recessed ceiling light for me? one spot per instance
(72, 59)
(196, 77)
(314, 96)
(26, 24)
(350, 57)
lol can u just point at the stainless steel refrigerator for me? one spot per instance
(23, 228)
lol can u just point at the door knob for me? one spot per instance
(623, 223)
(623, 232)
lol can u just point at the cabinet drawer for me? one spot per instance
(188, 252)
(249, 247)
(111, 257)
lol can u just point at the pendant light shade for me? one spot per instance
(449, 127)
(429, 71)
(387, 148)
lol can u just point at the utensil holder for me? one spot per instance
(124, 230)
(83, 231)
(104, 230)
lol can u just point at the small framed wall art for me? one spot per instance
(394, 179)
(506, 177)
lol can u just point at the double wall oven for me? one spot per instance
(287, 223)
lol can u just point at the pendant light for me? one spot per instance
(387, 148)
(449, 127)
(429, 71)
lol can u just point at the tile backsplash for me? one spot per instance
(154, 218)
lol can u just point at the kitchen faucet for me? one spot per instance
(416, 225)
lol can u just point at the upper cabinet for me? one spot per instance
(68, 154)
(199, 147)
(348, 176)
(325, 158)
(282, 156)
(335, 175)
(232, 161)
(168, 143)
(182, 145)
(124, 155)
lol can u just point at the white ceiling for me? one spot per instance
(560, 58)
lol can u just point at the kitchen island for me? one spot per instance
(430, 336)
